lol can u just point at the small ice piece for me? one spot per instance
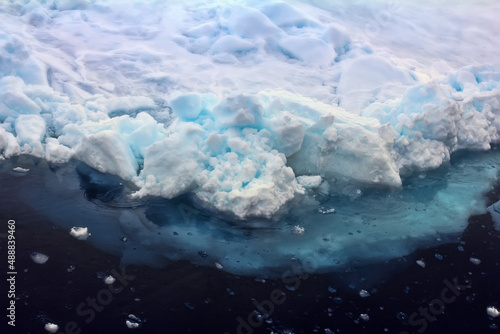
(39, 257)
(189, 305)
(81, 233)
(20, 170)
(298, 230)
(230, 292)
(492, 311)
(203, 254)
(438, 256)
(364, 317)
(51, 328)
(421, 263)
(332, 290)
(109, 279)
(124, 239)
(364, 293)
(218, 265)
(71, 268)
(474, 260)
(133, 322)
(326, 211)
(460, 248)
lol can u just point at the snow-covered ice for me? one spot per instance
(261, 114)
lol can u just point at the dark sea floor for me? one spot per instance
(184, 298)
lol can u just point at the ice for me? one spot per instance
(51, 328)
(39, 257)
(476, 261)
(109, 279)
(81, 233)
(364, 293)
(311, 50)
(249, 22)
(263, 115)
(20, 170)
(421, 263)
(492, 311)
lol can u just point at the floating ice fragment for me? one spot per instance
(230, 292)
(298, 230)
(474, 260)
(203, 254)
(39, 257)
(332, 290)
(189, 305)
(364, 293)
(81, 233)
(218, 265)
(71, 268)
(364, 317)
(20, 170)
(326, 211)
(421, 263)
(492, 311)
(438, 256)
(460, 248)
(133, 322)
(109, 279)
(51, 328)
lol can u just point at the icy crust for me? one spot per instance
(193, 106)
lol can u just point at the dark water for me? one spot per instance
(447, 296)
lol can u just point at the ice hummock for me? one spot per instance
(260, 115)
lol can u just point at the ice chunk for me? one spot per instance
(39, 257)
(309, 182)
(232, 44)
(492, 311)
(421, 263)
(186, 106)
(20, 170)
(298, 230)
(109, 279)
(30, 129)
(476, 261)
(239, 110)
(51, 328)
(108, 152)
(364, 293)
(81, 233)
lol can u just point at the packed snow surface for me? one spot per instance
(257, 112)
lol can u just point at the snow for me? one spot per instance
(254, 110)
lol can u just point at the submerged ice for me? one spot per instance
(292, 120)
